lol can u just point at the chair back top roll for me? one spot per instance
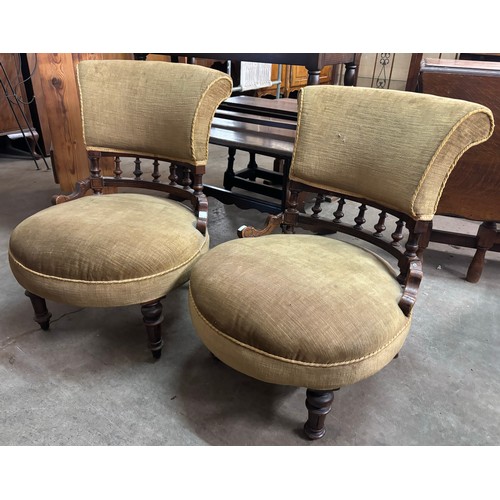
(393, 148)
(150, 108)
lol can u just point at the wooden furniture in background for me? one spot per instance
(313, 63)
(473, 189)
(57, 79)
(294, 78)
(259, 127)
(37, 107)
(15, 116)
(264, 126)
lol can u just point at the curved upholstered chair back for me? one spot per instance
(146, 110)
(399, 158)
(331, 312)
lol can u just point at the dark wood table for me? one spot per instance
(313, 62)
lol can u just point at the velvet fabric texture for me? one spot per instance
(391, 147)
(111, 250)
(309, 310)
(294, 309)
(151, 108)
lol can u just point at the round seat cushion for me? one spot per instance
(302, 310)
(109, 250)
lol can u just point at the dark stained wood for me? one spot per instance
(408, 257)
(413, 72)
(314, 62)
(256, 126)
(487, 236)
(42, 315)
(179, 187)
(153, 318)
(472, 191)
(319, 405)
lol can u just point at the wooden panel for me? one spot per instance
(62, 106)
(8, 123)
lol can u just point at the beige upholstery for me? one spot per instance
(159, 108)
(314, 311)
(128, 248)
(402, 162)
(289, 323)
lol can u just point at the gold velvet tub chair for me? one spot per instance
(117, 247)
(317, 310)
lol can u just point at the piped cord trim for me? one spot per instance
(111, 282)
(197, 110)
(429, 166)
(291, 361)
(452, 166)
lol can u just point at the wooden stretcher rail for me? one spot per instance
(259, 127)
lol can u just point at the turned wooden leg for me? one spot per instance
(423, 241)
(42, 315)
(318, 404)
(252, 167)
(153, 318)
(486, 237)
(350, 74)
(229, 173)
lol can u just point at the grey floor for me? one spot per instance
(90, 380)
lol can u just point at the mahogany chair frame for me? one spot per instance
(409, 263)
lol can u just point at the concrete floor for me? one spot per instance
(90, 380)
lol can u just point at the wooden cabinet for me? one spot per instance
(294, 78)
